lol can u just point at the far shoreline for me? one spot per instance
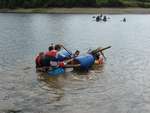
(79, 10)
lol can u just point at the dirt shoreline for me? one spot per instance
(80, 10)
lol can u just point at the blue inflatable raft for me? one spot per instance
(85, 61)
(56, 72)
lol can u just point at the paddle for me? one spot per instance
(100, 50)
(72, 56)
(72, 65)
(66, 50)
(103, 55)
(103, 50)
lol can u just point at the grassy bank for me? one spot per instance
(80, 10)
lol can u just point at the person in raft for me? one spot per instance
(52, 56)
(99, 58)
(51, 60)
(38, 60)
(98, 55)
(77, 52)
(43, 60)
(51, 47)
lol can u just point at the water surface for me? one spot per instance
(120, 86)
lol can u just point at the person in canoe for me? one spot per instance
(97, 19)
(104, 18)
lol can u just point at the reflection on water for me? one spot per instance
(120, 86)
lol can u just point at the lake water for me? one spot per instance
(122, 85)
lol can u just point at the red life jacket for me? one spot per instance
(51, 53)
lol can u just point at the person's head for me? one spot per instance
(97, 55)
(57, 47)
(77, 52)
(50, 48)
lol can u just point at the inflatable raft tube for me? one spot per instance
(85, 61)
(56, 72)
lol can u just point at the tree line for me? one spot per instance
(68, 3)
